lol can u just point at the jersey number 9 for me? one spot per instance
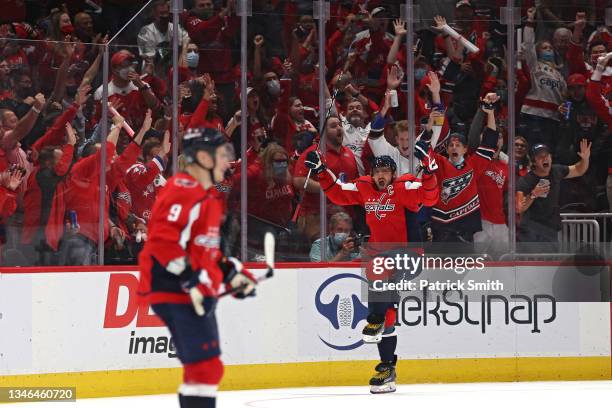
(175, 212)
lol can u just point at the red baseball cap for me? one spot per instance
(120, 56)
(576, 80)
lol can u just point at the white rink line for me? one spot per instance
(578, 394)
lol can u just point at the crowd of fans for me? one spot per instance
(51, 105)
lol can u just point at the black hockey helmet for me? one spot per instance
(207, 139)
(384, 161)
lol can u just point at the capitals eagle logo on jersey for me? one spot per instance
(452, 187)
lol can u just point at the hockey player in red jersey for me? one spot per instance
(391, 206)
(182, 267)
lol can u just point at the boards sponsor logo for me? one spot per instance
(122, 290)
(344, 311)
(123, 308)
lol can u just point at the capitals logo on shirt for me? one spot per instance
(380, 206)
(498, 177)
(452, 187)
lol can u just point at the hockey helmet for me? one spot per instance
(384, 161)
(207, 139)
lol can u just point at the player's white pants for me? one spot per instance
(493, 238)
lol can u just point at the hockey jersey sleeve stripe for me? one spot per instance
(198, 390)
(194, 214)
(486, 153)
(412, 185)
(347, 186)
(159, 162)
(204, 278)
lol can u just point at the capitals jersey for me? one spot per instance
(459, 203)
(391, 214)
(185, 222)
(144, 180)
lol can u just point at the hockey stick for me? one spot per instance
(269, 245)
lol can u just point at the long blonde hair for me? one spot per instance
(267, 158)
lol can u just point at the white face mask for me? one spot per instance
(340, 237)
(124, 72)
(193, 59)
(274, 87)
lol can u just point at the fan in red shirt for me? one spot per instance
(144, 179)
(83, 189)
(127, 91)
(214, 34)
(289, 119)
(53, 165)
(271, 191)
(205, 115)
(337, 158)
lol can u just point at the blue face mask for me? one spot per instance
(459, 163)
(279, 168)
(193, 59)
(419, 73)
(547, 56)
(339, 238)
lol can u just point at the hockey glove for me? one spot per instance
(423, 152)
(202, 295)
(314, 163)
(235, 275)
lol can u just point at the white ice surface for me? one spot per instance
(524, 395)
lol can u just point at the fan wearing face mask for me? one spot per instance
(159, 31)
(539, 112)
(127, 90)
(339, 244)
(60, 30)
(270, 192)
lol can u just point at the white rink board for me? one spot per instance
(56, 324)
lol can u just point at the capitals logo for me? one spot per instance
(380, 206)
(452, 187)
(344, 311)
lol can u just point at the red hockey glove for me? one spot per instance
(423, 152)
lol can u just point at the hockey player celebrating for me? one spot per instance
(391, 206)
(182, 267)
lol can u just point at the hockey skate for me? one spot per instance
(372, 332)
(384, 380)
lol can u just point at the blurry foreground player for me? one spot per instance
(391, 206)
(182, 267)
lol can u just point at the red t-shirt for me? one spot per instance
(491, 186)
(270, 201)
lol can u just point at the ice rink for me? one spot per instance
(532, 394)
